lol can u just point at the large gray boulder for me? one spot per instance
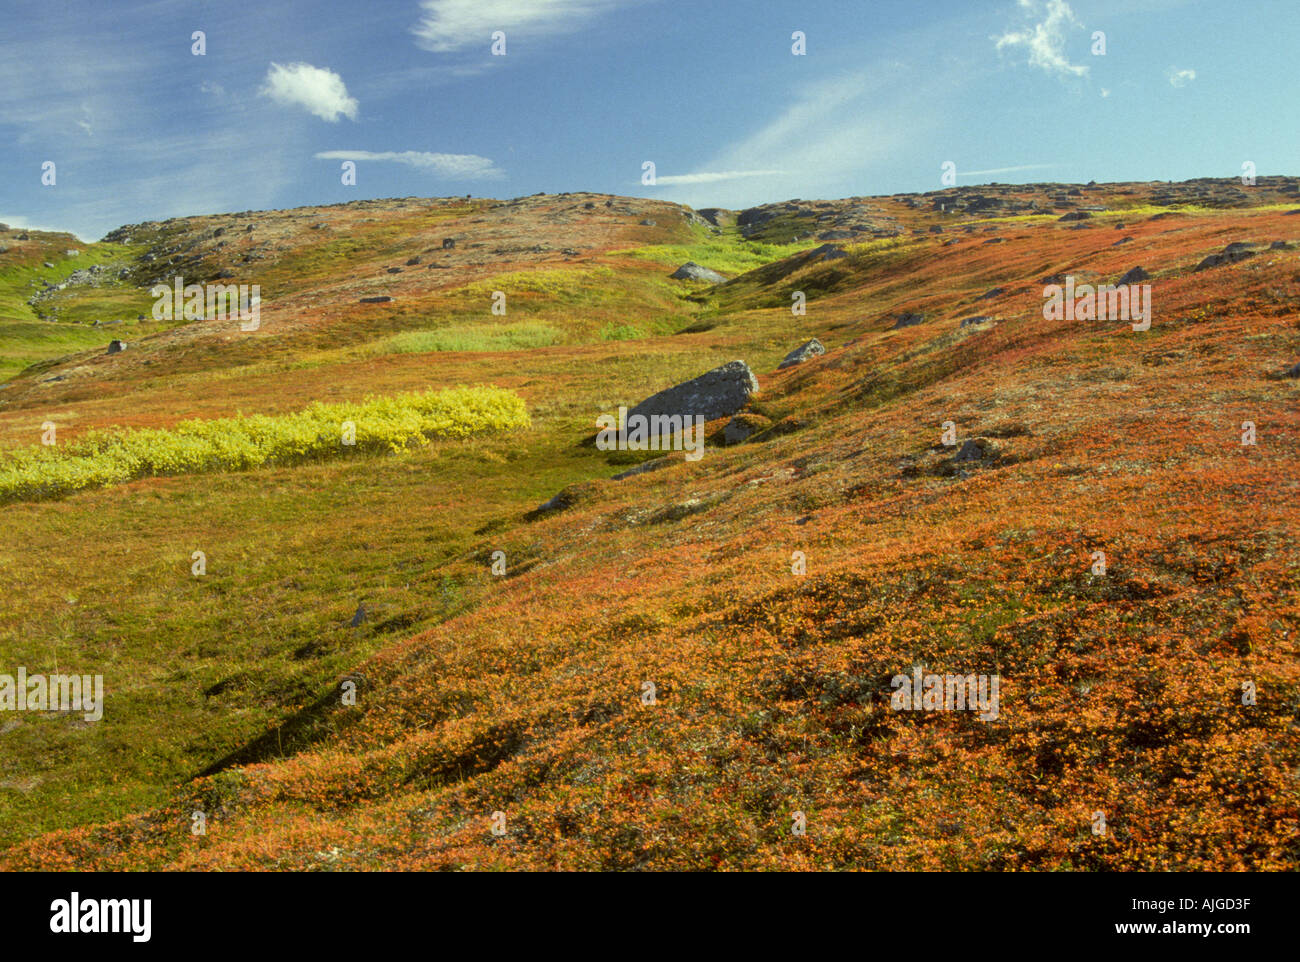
(691, 271)
(804, 352)
(714, 394)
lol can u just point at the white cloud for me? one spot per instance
(452, 24)
(452, 166)
(1045, 40)
(1181, 78)
(712, 177)
(1105, 92)
(320, 91)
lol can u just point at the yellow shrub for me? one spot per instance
(234, 444)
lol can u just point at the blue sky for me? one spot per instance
(140, 128)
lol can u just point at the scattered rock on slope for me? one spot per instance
(976, 449)
(691, 271)
(1135, 276)
(742, 427)
(804, 352)
(116, 347)
(643, 468)
(1226, 257)
(909, 319)
(714, 394)
(826, 252)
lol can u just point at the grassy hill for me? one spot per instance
(522, 693)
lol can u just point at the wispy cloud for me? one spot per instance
(711, 177)
(1180, 78)
(452, 24)
(320, 91)
(123, 154)
(452, 166)
(1004, 170)
(829, 139)
(1045, 40)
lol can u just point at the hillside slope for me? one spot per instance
(770, 592)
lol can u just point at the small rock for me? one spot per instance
(116, 346)
(742, 427)
(448, 243)
(359, 617)
(804, 352)
(1075, 215)
(976, 449)
(827, 252)
(647, 223)
(910, 319)
(1227, 257)
(972, 321)
(691, 271)
(413, 261)
(990, 294)
(1279, 245)
(381, 299)
(643, 468)
(1136, 276)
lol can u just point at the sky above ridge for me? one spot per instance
(139, 126)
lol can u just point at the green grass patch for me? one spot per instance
(519, 336)
(722, 253)
(620, 332)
